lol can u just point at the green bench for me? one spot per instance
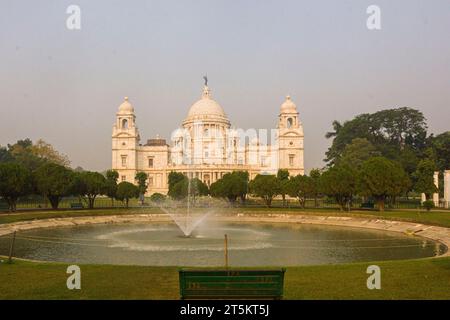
(231, 284)
(4, 206)
(77, 205)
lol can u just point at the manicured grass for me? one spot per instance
(439, 218)
(408, 279)
(47, 214)
(30, 280)
(434, 217)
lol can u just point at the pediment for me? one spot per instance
(290, 134)
(123, 135)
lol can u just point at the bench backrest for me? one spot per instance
(231, 283)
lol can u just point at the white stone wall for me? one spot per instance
(214, 155)
(290, 143)
(447, 188)
(436, 183)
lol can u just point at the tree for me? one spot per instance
(300, 187)
(441, 146)
(423, 178)
(178, 185)
(126, 191)
(339, 182)
(14, 182)
(53, 181)
(141, 178)
(44, 150)
(408, 158)
(243, 184)
(22, 153)
(218, 190)
(283, 178)
(5, 155)
(390, 131)
(231, 186)
(382, 178)
(179, 191)
(111, 184)
(402, 126)
(178, 188)
(359, 127)
(22, 144)
(89, 184)
(337, 126)
(266, 187)
(174, 178)
(315, 175)
(197, 188)
(34, 155)
(355, 153)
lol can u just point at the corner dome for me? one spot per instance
(126, 107)
(288, 105)
(206, 106)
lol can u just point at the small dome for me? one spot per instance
(288, 105)
(126, 107)
(206, 106)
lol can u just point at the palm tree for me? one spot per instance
(337, 126)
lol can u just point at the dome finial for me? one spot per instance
(206, 93)
(126, 106)
(288, 105)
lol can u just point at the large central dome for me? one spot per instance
(206, 109)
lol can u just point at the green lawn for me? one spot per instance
(408, 279)
(434, 217)
(47, 214)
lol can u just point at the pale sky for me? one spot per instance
(65, 86)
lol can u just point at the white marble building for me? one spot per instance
(206, 146)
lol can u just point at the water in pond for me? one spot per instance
(249, 245)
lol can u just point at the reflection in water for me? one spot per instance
(249, 245)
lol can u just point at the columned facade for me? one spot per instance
(447, 188)
(436, 183)
(206, 147)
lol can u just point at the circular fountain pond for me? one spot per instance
(249, 244)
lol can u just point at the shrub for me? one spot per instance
(157, 197)
(428, 205)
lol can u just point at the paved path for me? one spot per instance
(440, 234)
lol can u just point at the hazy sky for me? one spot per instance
(65, 86)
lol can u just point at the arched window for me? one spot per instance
(124, 124)
(206, 132)
(289, 122)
